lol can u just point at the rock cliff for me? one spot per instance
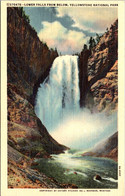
(98, 69)
(107, 148)
(29, 60)
(101, 68)
(83, 76)
(28, 64)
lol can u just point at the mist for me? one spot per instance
(85, 129)
(57, 106)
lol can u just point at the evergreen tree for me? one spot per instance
(92, 43)
(85, 47)
(97, 38)
(26, 17)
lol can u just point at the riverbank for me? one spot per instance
(21, 175)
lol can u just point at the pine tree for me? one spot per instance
(92, 43)
(85, 47)
(97, 38)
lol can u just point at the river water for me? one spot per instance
(75, 169)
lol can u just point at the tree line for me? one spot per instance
(23, 14)
(92, 42)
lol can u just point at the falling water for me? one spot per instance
(58, 96)
(57, 106)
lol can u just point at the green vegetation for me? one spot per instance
(38, 148)
(24, 15)
(32, 113)
(85, 47)
(97, 38)
(92, 43)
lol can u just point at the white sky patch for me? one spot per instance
(66, 41)
(92, 19)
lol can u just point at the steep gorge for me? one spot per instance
(28, 64)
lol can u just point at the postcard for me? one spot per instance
(62, 97)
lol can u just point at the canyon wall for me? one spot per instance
(28, 64)
(107, 148)
(100, 73)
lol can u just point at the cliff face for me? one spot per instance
(83, 75)
(100, 68)
(107, 148)
(29, 60)
(28, 64)
(102, 71)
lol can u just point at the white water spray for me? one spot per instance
(57, 106)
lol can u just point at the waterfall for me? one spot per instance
(58, 97)
(57, 106)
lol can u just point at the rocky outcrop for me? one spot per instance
(107, 148)
(22, 176)
(28, 64)
(102, 72)
(105, 91)
(83, 75)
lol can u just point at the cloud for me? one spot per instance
(70, 28)
(94, 19)
(65, 40)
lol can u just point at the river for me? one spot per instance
(75, 169)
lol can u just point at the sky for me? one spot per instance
(69, 28)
